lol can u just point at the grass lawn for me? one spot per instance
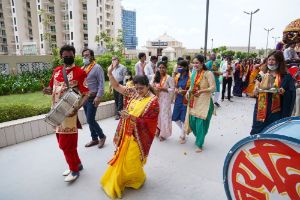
(34, 99)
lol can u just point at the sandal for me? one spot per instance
(182, 140)
(199, 150)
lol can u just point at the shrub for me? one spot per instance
(18, 110)
(25, 82)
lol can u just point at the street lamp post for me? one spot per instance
(268, 31)
(250, 13)
(275, 41)
(206, 29)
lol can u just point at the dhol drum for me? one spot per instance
(63, 108)
(267, 165)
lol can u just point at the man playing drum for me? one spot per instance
(67, 132)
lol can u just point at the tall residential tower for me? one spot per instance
(36, 26)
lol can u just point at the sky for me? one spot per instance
(228, 25)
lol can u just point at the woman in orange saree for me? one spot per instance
(251, 85)
(133, 137)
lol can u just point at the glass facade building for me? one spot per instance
(129, 29)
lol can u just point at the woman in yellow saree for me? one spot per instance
(133, 137)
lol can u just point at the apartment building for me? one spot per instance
(37, 26)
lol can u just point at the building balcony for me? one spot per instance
(48, 2)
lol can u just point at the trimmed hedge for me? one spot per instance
(18, 111)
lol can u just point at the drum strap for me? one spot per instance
(66, 77)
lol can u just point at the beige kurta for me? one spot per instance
(201, 103)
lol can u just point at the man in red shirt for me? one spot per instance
(67, 132)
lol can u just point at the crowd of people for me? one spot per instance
(147, 103)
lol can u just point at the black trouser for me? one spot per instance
(118, 100)
(226, 81)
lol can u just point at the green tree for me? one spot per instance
(253, 55)
(47, 19)
(261, 52)
(222, 49)
(215, 50)
(228, 53)
(111, 44)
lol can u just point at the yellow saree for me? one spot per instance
(126, 167)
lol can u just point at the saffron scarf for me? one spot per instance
(195, 86)
(262, 102)
(89, 68)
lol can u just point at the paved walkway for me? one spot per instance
(32, 170)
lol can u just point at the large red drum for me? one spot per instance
(267, 165)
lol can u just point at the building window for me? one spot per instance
(71, 35)
(72, 43)
(14, 10)
(17, 46)
(84, 16)
(15, 21)
(39, 7)
(40, 18)
(41, 37)
(85, 45)
(52, 28)
(71, 15)
(100, 18)
(84, 6)
(85, 27)
(66, 27)
(42, 46)
(97, 3)
(30, 31)
(51, 9)
(16, 29)
(53, 38)
(85, 36)
(67, 36)
(17, 39)
(12, 2)
(98, 21)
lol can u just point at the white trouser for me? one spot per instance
(296, 111)
(180, 124)
(216, 97)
